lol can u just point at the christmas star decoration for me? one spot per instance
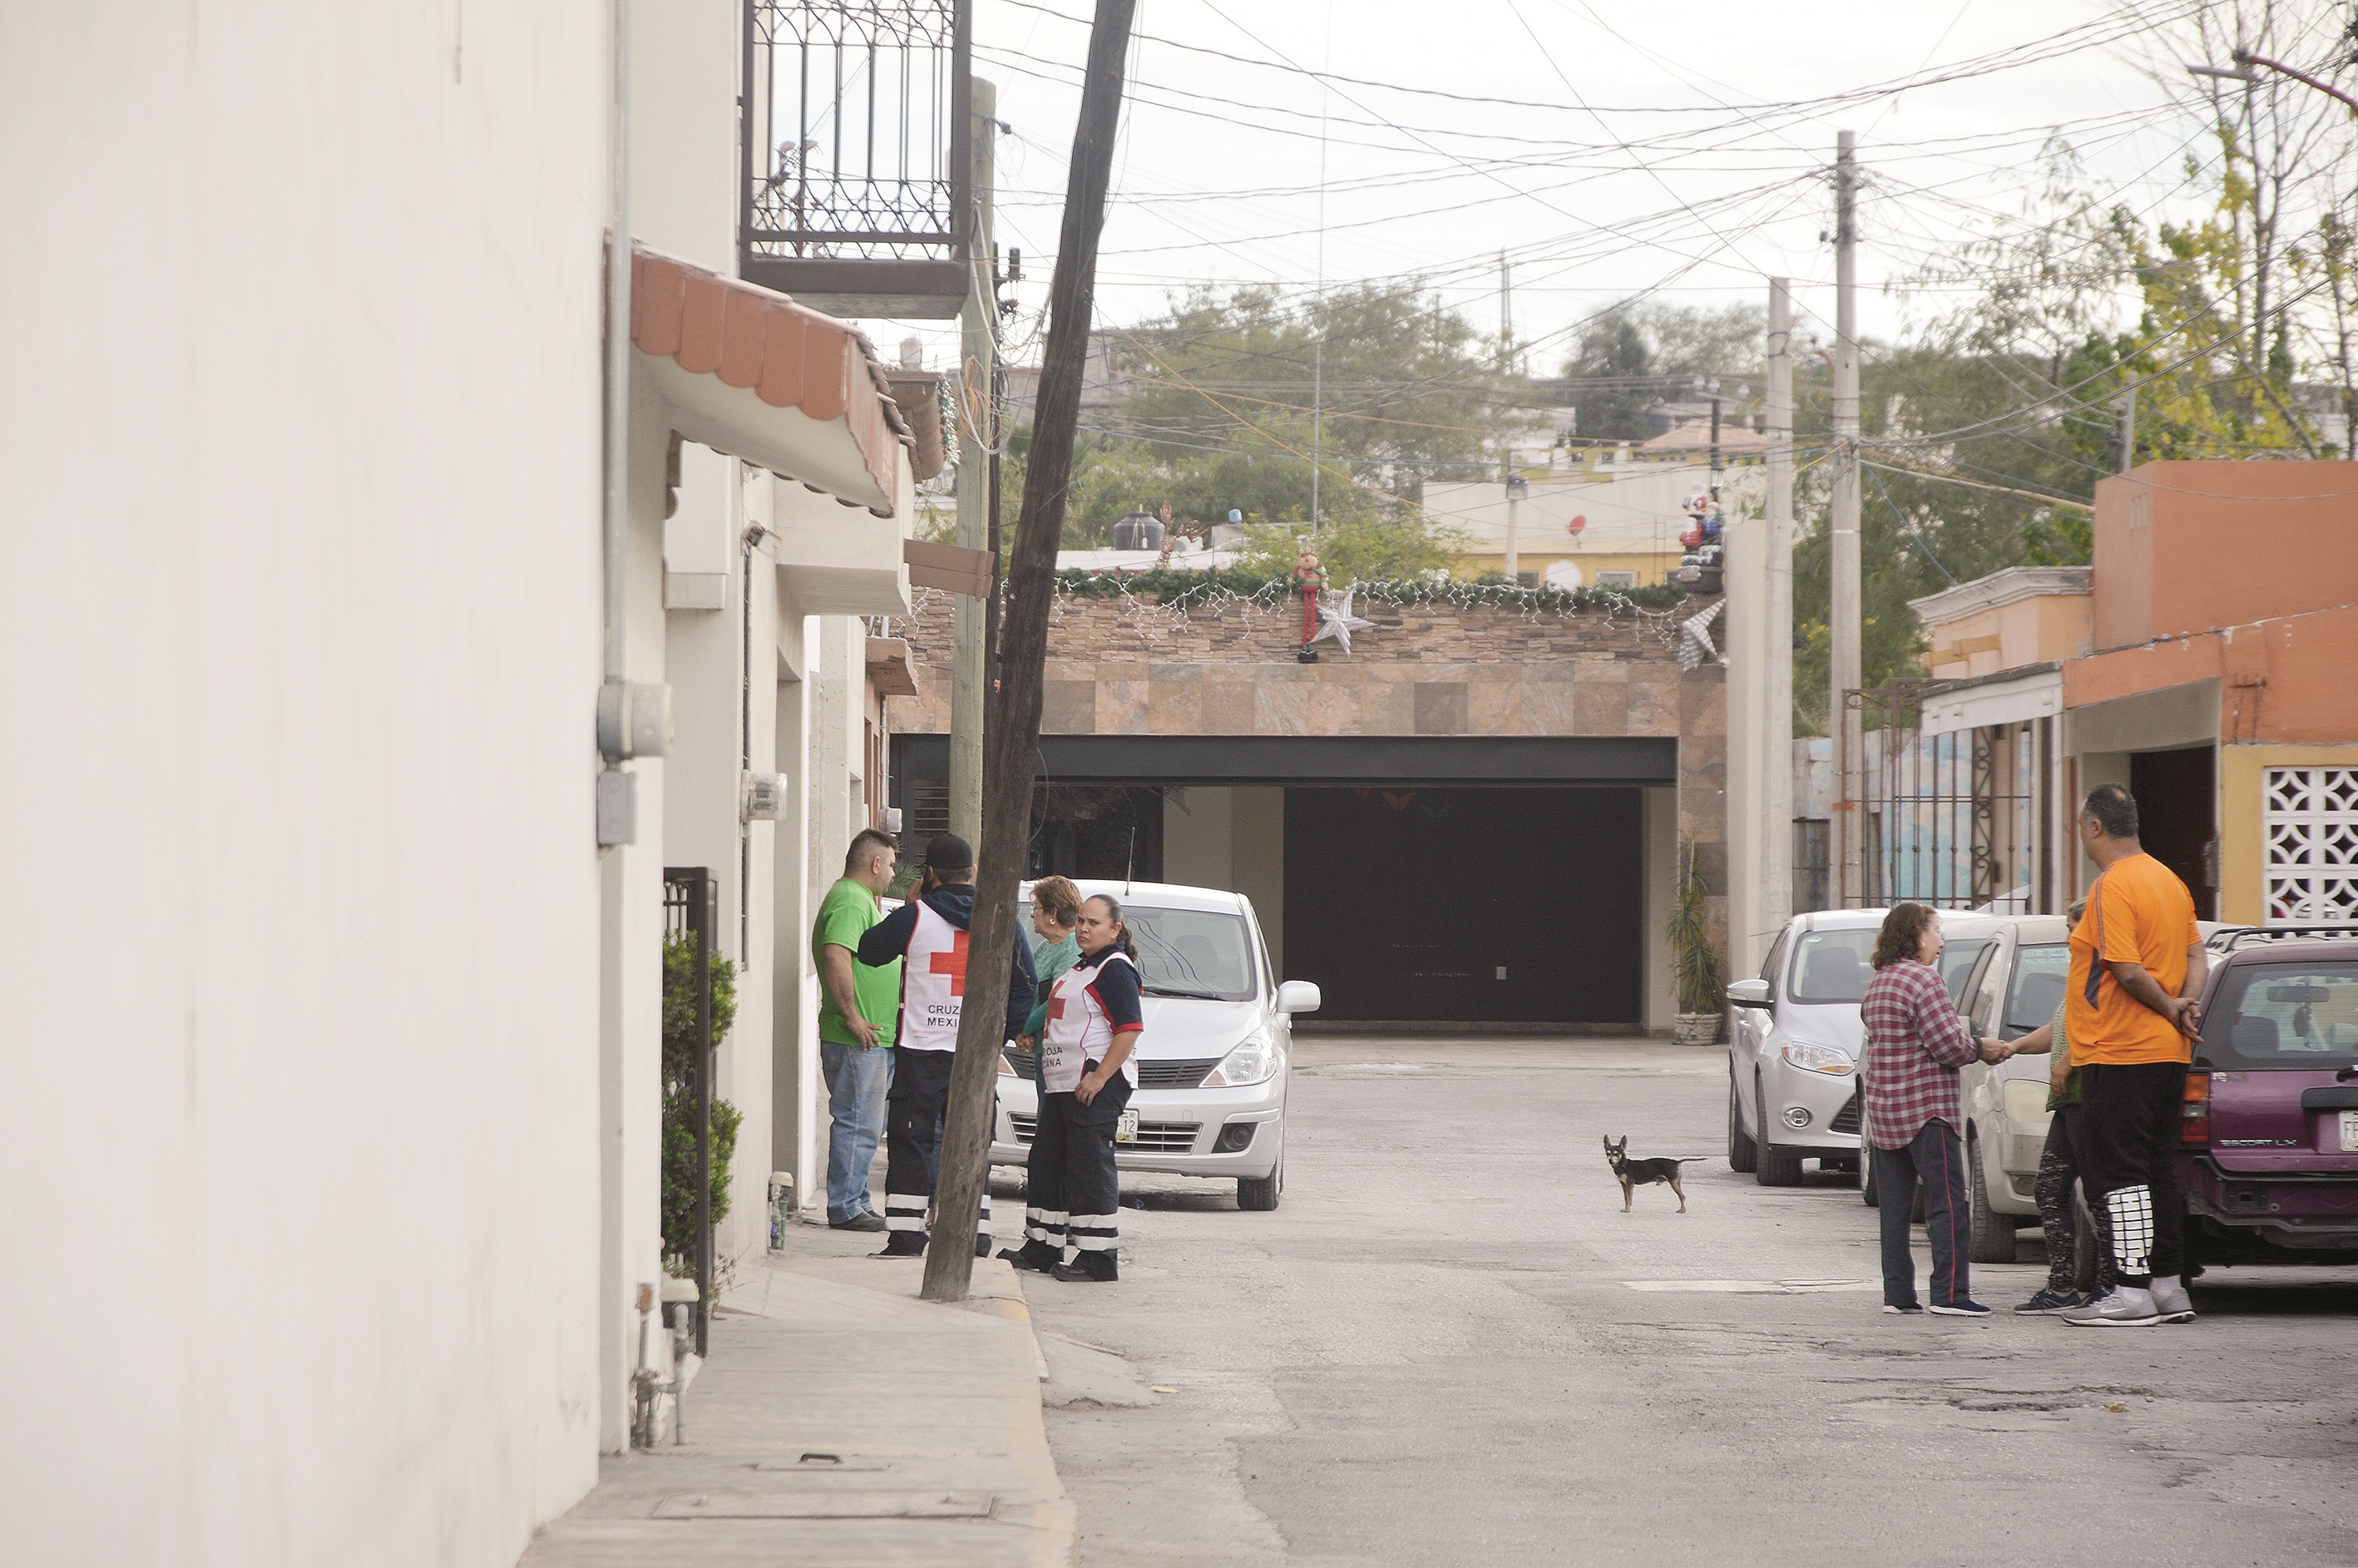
(1336, 621)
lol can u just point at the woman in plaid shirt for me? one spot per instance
(1915, 1043)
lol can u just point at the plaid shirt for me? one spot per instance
(1915, 1043)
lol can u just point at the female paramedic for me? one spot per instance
(1086, 1073)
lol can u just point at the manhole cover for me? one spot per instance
(840, 1505)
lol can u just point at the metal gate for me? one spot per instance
(690, 912)
(1952, 820)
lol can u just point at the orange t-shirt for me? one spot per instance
(2148, 919)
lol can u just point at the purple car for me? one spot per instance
(2268, 1147)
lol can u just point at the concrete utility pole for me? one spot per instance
(2128, 428)
(1777, 625)
(978, 346)
(1841, 722)
(1023, 653)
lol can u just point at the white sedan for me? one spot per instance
(1212, 1065)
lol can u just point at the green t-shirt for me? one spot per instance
(844, 917)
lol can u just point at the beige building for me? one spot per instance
(1612, 521)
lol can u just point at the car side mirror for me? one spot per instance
(1749, 993)
(1299, 996)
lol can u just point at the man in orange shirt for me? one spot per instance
(2137, 966)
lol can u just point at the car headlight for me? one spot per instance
(1253, 1061)
(1812, 1057)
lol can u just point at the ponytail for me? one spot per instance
(1122, 943)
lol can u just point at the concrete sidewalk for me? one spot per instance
(841, 1421)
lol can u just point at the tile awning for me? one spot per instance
(750, 372)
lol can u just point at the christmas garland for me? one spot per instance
(1183, 591)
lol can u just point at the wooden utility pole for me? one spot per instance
(1013, 734)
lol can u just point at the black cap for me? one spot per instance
(949, 852)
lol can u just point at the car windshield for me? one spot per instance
(1831, 966)
(1192, 952)
(2036, 987)
(2283, 1015)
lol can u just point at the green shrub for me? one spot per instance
(679, 1100)
(1694, 962)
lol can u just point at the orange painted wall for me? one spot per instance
(2188, 547)
(2292, 680)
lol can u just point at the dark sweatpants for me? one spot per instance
(1934, 1158)
(914, 1109)
(1072, 1189)
(2131, 1111)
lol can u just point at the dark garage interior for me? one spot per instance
(1409, 905)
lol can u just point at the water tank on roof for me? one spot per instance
(1138, 530)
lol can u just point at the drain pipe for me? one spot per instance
(633, 720)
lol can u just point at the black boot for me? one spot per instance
(1036, 1256)
(1090, 1269)
(903, 1244)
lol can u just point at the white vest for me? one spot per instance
(1078, 1032)
(933, 984)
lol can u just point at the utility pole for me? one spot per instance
(1015, 733)
(1506, 318)
(1842, 676)
(1777, 626)
(978, 346)
(2128, 428)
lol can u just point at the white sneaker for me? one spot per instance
(2170, 1300)
(2127, 1307)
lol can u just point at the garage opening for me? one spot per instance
(2175, 791)
(1490, 904)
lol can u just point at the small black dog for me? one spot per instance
(1636, 1174)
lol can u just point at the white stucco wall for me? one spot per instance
(298, 568)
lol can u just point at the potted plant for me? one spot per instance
(1694, 962)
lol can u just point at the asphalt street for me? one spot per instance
(1450, 1346)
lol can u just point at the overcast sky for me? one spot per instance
(1648, 157)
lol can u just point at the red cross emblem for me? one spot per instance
(953, 964)
(1056, 1006)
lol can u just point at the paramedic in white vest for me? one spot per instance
(929, 933)
(1087, 1072)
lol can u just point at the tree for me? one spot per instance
(1613, 372)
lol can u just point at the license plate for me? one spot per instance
(2350, 1132)
(1125, 1128)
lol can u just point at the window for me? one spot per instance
(1776, 958)
(1616, 579)
(1192, 952)
(1831, 966)
(2035, 987)
(2309, 820)
(2296, 1014)
(1956, 965)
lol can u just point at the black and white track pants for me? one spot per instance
(920, 1097)
(1072, 1190)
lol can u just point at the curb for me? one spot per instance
(1056, 1523)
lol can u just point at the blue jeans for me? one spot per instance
(857, 1081)
(1934, 1158)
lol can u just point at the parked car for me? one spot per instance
(1213, 1064)
(2013, 989)
(1794, 1038)
(2269, 1153)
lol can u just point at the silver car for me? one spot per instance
(2013, 989)
(1795, 1036)
(1213, 1064)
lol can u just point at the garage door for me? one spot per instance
(1445, 906)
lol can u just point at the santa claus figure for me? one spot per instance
(1309, 581)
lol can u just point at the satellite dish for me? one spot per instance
(1576, 525)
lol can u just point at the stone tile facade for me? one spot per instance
(1130, 666)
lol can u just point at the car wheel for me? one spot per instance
(1865, 1170)
(1259, 1194)
(1743, 1154)
(1989, 1234)
(1778, 1168)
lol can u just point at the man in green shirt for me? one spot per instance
(859, 1010)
